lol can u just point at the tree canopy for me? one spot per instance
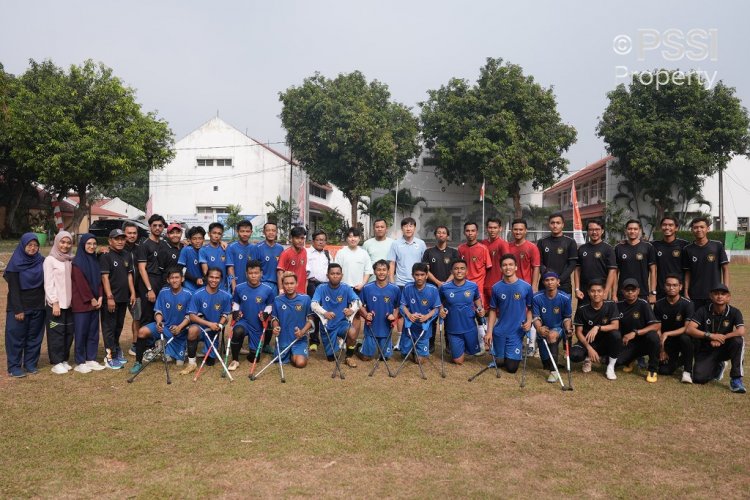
(668, 138)
(348, 131)
(505, 129)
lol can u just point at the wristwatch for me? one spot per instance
(706, 335)
(652, 292)
(149, 289)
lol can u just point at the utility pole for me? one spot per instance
(721, 201)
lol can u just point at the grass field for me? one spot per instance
(95, 435)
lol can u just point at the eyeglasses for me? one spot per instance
(157, 224)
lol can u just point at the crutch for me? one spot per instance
(212, 347)
(441, 337)
(235, 314)
(554, 364)
(281, 363)
(566, 340)
(279, 355)
(491, 364)
(407, 326)
(158, 351)
(264, 323)
(337, 368)
(380, 352)
(526, 336)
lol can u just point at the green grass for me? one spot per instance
(95, 435)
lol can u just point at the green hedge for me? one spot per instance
(712, 235)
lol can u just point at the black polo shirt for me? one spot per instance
(704, 263)
(724, 323)
(440, 261)
(668, 261)
(635, 316)
(558, 254)
(633, 262)
(595, 262)
(673, 316)
(118, 265)
(588, 317)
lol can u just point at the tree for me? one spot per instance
(334, 224)
(282, 213)
(83, 129)
(504, 130)
(384, 206)
(348, 132)
(233, 218)
(668, 138)
(132, 189)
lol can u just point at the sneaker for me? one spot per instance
(131, 351)
(67, 366)
(179, 362)
(552, 377)
(492, 364)
(629, 367)
(210, 361)
(313, 347)
(687, 378)
(642, 363)
(94, 365)
(83, 368)
(149, 355)
(31, 370)
(190, 368)
(396, 347)
(112, 364)
(611, 373)
(121, 358)
(735, 385)
(586, 368)
(349, 361)
(651, 377)
(720, 371)
(17, 373)
(136, 367)
(233, 365)
(59, 369)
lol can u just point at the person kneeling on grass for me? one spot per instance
(335, 302)
(292, 320)
(597, 327)
(462, 301)
(420, 303)
(674, 312)
(171, 319)
(509, 316)
(380, 301)
(641, 326)
(721, 331)
(552, 312)
(209, 311)
(253, 298)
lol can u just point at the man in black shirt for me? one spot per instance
(558, 253)
(597, 329)
(131, 245)
(668, 254)
(148, 268)
(674, 312)
(439, 259)
(117, 283)
(596, 260)
(720, 330)
(705, 264)
(636, 259)
(169, 253)
(638, 327)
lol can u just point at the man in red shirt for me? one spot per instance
(477, 258)
(497, 248)
(294, 259)
(526, 253)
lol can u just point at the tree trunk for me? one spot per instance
(353, 199)
(517, 210)
(79, 212)
(10, 215)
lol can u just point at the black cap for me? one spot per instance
(721, 287)
(116, 233)
(630, 283)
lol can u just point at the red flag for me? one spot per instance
(577, 225)
(481, 192)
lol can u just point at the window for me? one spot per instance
(210, 162)
(223, 162)
(584, 194)
(595, 192)
(318, 191)
(205, 162)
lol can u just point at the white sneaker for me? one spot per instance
(59, 369)
(687, 378)
(586, 368)
(94, 365)
(67, 366)
(84, 368)
(611, 373)
(233, 365)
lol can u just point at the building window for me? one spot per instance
(210, 162)
(594, 192)
(318, 191)
(584, 191)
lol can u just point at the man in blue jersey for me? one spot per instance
(420, 303)
(509, 316)
(189, 259)
(171, 319)
(214, 254)
(292, 319)
(268, 253)
(253, 299)
(380, 301)
(335, 303)
(552, 311)
(462, 301)
(209, 311)
(239, 253)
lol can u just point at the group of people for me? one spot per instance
(664, 304)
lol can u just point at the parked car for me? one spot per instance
(101, 228)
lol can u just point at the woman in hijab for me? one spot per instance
(87, 300)
(58, 292)
(24, 324)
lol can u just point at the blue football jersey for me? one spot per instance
(460, 303)
(269, 258)
(173, 306)
(211, 305)
(420, 301)
(552, 311)
(238, 255)
(511, 301)
(291, 313)
(189, 260)
(382, 302)
(335, 300)
(252, 301)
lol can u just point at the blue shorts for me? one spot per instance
(338, 332)
(175, 349)
(298, 349)
(508, 345)
(423, 344)
(253, 338)
(463, 343)
(370, 350)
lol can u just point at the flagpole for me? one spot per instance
(483, 224)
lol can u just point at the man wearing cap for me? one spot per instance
(117, 282)
(552, 311)
(720, 330)
(639, 328)
(169, 253)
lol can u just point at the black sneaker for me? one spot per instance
(210, 361)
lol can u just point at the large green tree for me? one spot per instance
(82, 130)
(668, 137)
(348, 131)
(504, 129)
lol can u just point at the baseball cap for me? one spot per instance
(173, 226)
(630, 283)
(115, 233)
(721, 287)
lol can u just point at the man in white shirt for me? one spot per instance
(379, 245)
(318, 259)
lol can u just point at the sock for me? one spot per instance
(191, 360)
(140, 346)
(349, 351)
(612, 362)
(192, 348)
(235, 346)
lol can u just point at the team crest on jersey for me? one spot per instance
(639, 256)
(560, 251)
(258, 300)
(298, 307)
(277, 258)
(174, 257)
(556, 310)
(494, 252)
(179, 307)
(522, 255)
(283, 306)
(385, 299)
(725, 323)
(467, 294)
(517, 296)
(302, 262)
(677, 318)
(605, 320)
(340, 299)
(636, 315)
(711, 257)
(473, 259)
(675, 253)
(223, 258)
(446, 260)
(424, 302)
(597, 255)
(217, 306)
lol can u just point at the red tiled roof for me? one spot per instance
(586, 172)
(96, 209)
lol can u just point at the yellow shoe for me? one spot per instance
(630, 367)
(313, 347)
(651, 377)
(350, 362)
(189, 368)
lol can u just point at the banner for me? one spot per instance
(577, 225)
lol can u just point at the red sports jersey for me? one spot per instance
(497, 249)
(478, 260)
(296, 262)
(527, 258)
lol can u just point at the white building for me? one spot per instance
(216, 165)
